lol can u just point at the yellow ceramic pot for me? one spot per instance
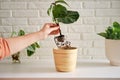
(65, 59)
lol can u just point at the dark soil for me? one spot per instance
(66, 48)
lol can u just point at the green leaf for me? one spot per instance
(71, 17)
(102, 34)
(49, 10)
(110, 33)
(61, 1)
(61, 14)
(59, 11)
(21, 33)
(37, 45)
(31, 49)
(109, 30)
(118, 36)
(13, 34)
(116, 25)
(30, 53)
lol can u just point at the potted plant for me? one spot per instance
(65, 56)
(112, 43)
(30, 49)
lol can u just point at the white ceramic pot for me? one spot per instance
(113, 51)
(65, 59)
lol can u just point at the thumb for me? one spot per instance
(54, 28)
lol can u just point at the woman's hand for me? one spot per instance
(49, 29)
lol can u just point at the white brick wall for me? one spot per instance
(108, 12)
(14, 21)
(96, 4)
(14, 5)
(4, 29)
(5, 13)
(96, 20)
(30, 15)
(25, 13)
(116, 4)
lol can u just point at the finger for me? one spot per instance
(51, 24)
(55, 32)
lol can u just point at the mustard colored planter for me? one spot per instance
(65, 59)
(113, 51)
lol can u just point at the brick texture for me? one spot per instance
(13, 5)
(30, 15)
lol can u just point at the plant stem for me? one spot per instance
(59, 30)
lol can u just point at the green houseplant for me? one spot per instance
(30, 49)
(65, 56)
(112, 43)
(60, 14)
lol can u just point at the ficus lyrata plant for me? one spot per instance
(60, 14)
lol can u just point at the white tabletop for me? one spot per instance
(45, 68)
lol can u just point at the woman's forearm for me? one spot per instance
(18, 43)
